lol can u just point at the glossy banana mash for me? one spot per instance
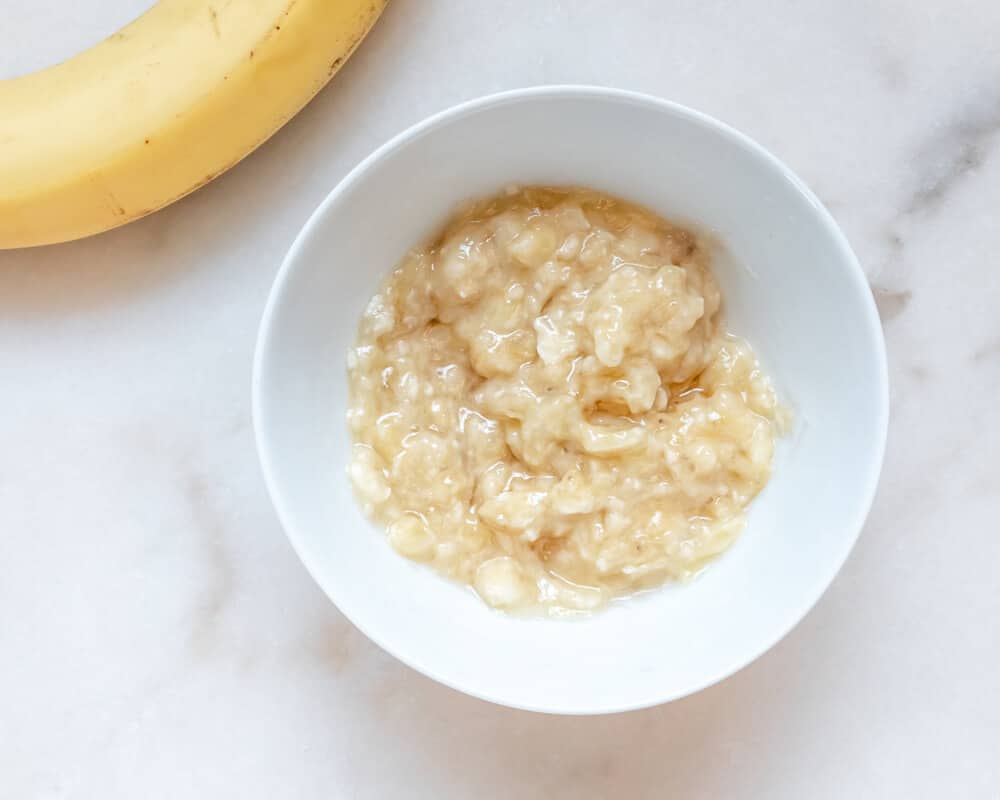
(546, 406)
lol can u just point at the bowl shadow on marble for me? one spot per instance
(667, 750)
(101, 270)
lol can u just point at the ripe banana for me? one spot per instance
(160, 108)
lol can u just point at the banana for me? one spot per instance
(160, 108)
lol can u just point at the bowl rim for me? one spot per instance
(874, 334)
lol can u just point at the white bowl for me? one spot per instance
(791, 286)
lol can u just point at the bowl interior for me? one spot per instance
(791, 287)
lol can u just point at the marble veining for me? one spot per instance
(219, 589)
(988, 351)
(158, 637)
(959, 150)
(890, 304)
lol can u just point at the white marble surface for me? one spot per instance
(158, 637)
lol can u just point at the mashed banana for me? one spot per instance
(546, 406)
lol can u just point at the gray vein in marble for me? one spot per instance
(988, 351)
(953, 153)
(958, 151)
(336, 644)
(219, 590)
(895, 247)
(890, 303)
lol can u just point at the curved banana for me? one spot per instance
(160, 108)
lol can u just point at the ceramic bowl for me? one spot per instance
(791, 286)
